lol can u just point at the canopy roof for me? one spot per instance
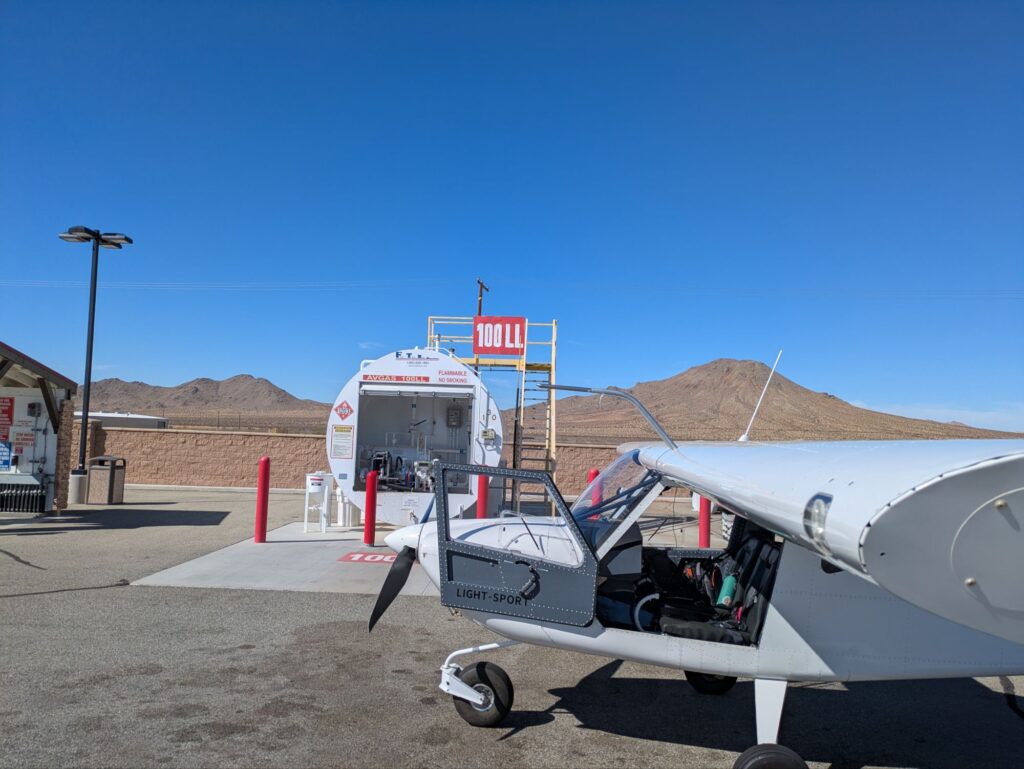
(19, 370)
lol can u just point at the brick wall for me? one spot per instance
(200, 458)
(574, 461)
(208, 458)
(94, 443)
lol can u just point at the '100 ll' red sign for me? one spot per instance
(497, 335)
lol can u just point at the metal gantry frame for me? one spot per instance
(533, 437)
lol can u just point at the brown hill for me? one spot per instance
(714, 402)
(239, 393)
(709, 402)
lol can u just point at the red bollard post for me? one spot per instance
(482, 485)
(704, 523)
(597, 492)
(262, 500)
(370, 509)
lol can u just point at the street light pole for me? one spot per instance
(88, 355)
(107, 240)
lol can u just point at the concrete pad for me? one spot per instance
(336, 562)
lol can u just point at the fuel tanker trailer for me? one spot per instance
(398, 414)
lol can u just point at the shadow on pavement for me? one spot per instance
(119, 518)
(892, 723)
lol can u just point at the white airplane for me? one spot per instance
(848, 561)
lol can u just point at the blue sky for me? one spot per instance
(674, 182)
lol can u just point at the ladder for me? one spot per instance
(533, 429)
(533, 446)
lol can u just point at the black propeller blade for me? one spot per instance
(393, 583)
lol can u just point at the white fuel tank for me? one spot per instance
(396, 415)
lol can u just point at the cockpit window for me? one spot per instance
(611, 496)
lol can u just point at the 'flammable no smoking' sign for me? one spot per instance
(369, 557)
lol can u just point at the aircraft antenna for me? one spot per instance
(746, 433)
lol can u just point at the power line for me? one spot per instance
(225, 286)
(850, 292)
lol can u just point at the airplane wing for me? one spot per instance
(938, 523)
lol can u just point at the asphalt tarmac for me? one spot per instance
(97, 673)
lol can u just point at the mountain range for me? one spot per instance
(238, 393)
(712, 401)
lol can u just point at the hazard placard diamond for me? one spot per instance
(343, 410)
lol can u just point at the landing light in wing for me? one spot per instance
(815, 515)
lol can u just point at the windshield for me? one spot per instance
(611, 496)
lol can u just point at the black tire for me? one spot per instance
(495, 683)
(769, 757)
(705, 683)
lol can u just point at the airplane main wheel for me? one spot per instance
(705, 683)
(494, 683)
(769, 756)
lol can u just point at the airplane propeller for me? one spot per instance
(393, 583)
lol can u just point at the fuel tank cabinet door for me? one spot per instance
(525, 558)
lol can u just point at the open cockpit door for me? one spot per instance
(528, 559)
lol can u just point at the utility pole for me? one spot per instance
(479, 311)
(480, 296)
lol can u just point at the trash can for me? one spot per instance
(106, 481)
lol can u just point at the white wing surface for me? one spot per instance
(938, 523)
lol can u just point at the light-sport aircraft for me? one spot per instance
(848, 561)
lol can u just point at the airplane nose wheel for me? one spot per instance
(769, 756)
(495, 686)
